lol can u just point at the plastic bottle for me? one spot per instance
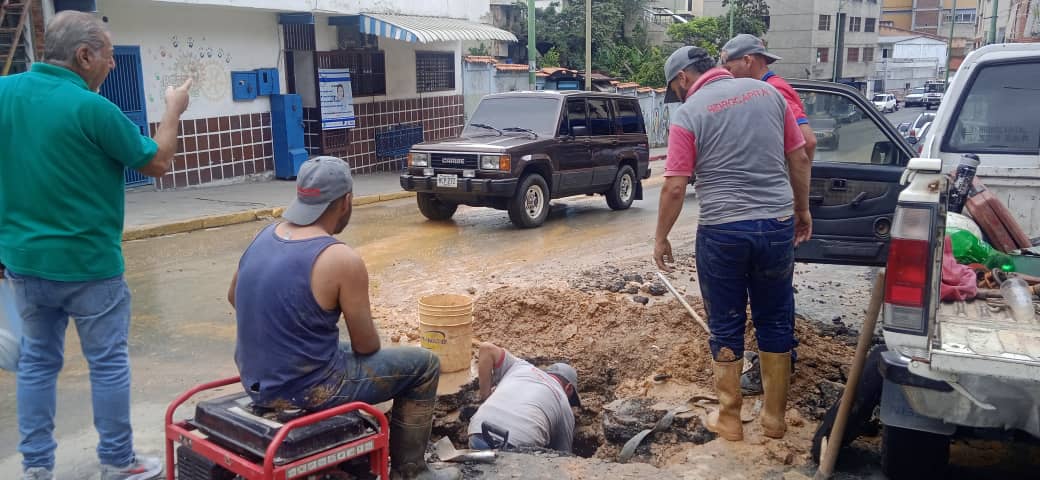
(961, 185)
(1019, 299)
(967, 249)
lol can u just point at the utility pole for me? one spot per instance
(731, 20)
(993, 24)
(949, 42)
(838, 37)
(588, 45)
(532, 52)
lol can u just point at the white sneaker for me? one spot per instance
(37, 473)
(142, 468)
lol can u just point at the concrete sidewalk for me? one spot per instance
(153, 213)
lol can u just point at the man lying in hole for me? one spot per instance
(293, 284)
(523, 405)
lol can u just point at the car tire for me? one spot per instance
(912, 454)
(530, 204)
(434, 208)
(623, 191)
(868, 398)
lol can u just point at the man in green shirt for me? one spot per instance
(63, 148)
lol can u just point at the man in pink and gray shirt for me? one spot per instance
(743, 143)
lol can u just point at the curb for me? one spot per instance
(234, 218)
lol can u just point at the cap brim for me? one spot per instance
(770, 58)
(575, 399)
(301, 213)
(669, 95)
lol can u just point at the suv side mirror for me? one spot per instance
(579, 131)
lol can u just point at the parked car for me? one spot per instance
(848, 113)
(885, 102)
(919, 123)
(918, 141)
(521, 149)
(826, 130)
(904, 129)
(915, 98)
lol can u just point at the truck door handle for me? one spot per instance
(859, 199)
(839, 185)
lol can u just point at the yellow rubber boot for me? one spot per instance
(726, 420)
(776, 380)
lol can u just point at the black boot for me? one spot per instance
(410, 425)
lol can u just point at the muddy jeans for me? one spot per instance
(741, 260)
(410, 373)
(101, 310)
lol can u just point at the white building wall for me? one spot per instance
(205, 43)
(468, 9)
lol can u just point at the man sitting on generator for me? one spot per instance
(293, 284)
(523, 405)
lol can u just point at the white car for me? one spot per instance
(915, 98)
(885, 102)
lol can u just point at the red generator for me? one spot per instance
(230, 438)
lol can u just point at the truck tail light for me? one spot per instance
(909, 262)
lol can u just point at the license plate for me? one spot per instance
(447, 181)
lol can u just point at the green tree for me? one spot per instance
(749, 16)
(551, 58)
(708, 33)
(650, 72)
(481, 51)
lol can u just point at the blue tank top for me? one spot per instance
(287, 343)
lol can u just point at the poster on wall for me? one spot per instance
(337, 103)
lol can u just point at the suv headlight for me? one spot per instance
(495, 162)
(416, 159)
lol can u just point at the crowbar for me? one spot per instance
(692, 312)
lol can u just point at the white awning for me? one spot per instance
(407, 28)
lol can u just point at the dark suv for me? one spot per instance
(520, 149)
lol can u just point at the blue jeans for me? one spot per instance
(406, 373)
(101, 310)
(752, 259)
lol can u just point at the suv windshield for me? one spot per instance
(880, 98)
(536, 114)
(918, 90)
(998, 114)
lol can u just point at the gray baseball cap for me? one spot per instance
(570, 375)
(320, 182)
(746, 44)
(677, 61)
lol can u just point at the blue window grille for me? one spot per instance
(395, 141)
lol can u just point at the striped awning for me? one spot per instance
(407, 28)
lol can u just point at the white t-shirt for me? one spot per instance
(528, 403)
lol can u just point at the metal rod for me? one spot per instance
(832, 443)
(993, 23)
(700, 321)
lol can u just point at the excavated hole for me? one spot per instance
(619, 347)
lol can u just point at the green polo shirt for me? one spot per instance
(62, 153)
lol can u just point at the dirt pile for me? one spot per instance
(624, 349)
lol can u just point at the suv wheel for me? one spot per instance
(530, 204)
(434, 208)
(623, 191)
(913, 454)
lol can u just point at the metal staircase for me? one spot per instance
(16, 52)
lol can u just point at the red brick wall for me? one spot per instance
(220, 148)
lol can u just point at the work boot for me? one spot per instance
(410, 425)
(726, 420)
(37, 473)
(776, 379)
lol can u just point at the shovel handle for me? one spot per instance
(693, 313)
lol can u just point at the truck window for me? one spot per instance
(998, 113)
(844, 133)
(628, 118)
(599, 116)
(576, 113)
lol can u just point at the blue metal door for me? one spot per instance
(125, 88)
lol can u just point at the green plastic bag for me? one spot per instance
(968, 249)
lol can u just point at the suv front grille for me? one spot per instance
(454, 160)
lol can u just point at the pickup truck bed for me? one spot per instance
(975, 337)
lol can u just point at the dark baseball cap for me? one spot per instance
(320, 182)
(677, 61)
(569, 375)
(746, 44)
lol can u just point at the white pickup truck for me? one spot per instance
(960, 367)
